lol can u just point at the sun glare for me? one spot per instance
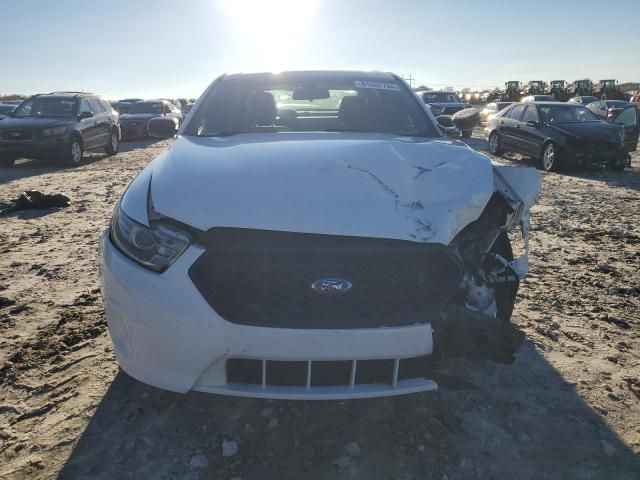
(271, 28)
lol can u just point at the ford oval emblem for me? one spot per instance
(331, 286)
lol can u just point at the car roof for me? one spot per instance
(373, 74)
(65, 96)
(554, 104)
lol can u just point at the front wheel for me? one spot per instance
(75, 152)
(549, 160)
(494, 143)
(114, 144)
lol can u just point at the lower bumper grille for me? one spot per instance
(310, 374)
(17, 135)
(265, 278)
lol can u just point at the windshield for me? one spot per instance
(566, 114)
(440, 97)
(146, 107)
(46, 107)
(309, 103)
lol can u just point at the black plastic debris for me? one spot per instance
(35, 200)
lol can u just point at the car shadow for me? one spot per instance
(486, 421)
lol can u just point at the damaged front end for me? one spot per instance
(477, 321)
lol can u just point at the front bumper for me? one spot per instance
(591, 157)
(166, 335)
(37, 148)
(135, 130)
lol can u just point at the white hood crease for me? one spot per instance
(421, 190)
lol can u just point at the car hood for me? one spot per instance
(598, 131)
(32, 122)
(368, 185)
(139, 116)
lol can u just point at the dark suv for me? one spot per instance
(59, 124)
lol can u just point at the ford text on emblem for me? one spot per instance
(331, 286)
(15, 134)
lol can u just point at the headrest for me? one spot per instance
(353, 113)
(264, 109)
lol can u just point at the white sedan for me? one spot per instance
(312, 235)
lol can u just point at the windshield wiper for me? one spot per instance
(400, 134)
(222, 133)
(348, 130)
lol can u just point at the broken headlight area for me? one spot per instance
(476, 324)
(154, 247)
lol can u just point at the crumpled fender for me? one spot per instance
(520, 187)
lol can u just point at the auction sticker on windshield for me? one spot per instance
(377, 85)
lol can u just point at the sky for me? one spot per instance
(173, 48)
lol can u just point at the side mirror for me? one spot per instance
(467, 119)
(533, 124)
(162, 127)
(85, 115)
(445, 121)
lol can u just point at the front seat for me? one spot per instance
(353, 113)
(264, 110)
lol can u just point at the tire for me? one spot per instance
(75, 152)
(550, 157)
(467, 133)
(505, 293)
(113, 145)
(7, 162)
(495, 147)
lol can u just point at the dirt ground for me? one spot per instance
(568, 408)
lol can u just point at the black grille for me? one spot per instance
(264, 278)
(17, 135)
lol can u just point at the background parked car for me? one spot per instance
(583, 100)
(608, 109)
(135, 123)
(6, 108)
(622, 113)
(175, 102)
(491, 109)
(123, 105)
(445, 103)
(61, 124)
(539, 98)
(561, 135)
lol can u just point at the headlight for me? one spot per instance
(436, 109)
(155, 247)
(48, 132)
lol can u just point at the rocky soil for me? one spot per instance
(568, 408)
